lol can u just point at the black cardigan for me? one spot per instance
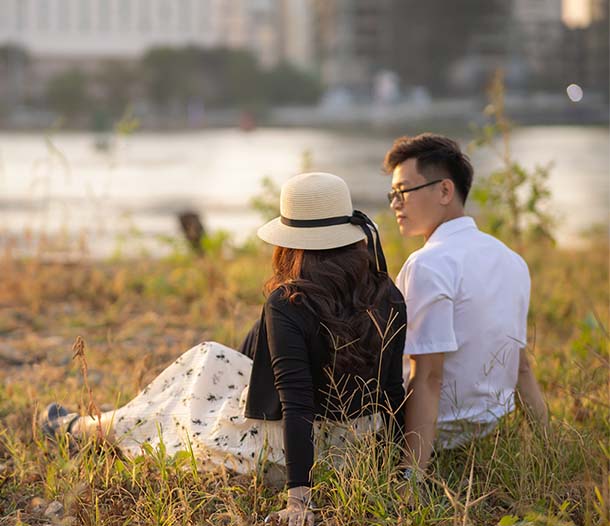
(290, 351)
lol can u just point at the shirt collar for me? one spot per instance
(444, 230)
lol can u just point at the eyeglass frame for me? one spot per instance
(398, 193)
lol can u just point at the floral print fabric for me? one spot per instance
(198, 402)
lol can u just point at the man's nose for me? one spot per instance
(396, 203)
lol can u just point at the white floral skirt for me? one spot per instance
(198, 403)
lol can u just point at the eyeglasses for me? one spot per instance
(395, 193)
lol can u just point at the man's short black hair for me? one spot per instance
(433, 153)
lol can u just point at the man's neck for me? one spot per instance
(450, 216)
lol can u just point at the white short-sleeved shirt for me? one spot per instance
(467, 295)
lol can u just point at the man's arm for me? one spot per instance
(421, 408)
(529, 392)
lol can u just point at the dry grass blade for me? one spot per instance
(78, 350)
(468, 491)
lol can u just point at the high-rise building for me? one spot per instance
(450, 48)
(539, 29)
(296, 36)
(273, 30)
(105, 28)
(353, 41)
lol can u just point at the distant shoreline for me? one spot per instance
(440, 114)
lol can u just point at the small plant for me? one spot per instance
(512, 200)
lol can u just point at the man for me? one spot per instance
(467, 298)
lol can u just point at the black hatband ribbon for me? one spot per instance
(312, 223)
(358, 218)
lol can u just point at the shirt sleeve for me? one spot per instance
(293, 381)
(429, 298)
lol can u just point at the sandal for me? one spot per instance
(56, 420)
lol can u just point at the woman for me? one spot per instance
(328, 347)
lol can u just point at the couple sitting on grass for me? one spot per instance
(324, 364)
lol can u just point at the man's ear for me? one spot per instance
(447, 191)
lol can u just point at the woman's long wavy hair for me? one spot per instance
(342, 287)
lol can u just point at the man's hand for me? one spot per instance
(530, 394)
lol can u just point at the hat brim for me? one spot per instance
(316, 238)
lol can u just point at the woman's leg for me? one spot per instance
(194, 402)
(87, 426)
(57, 420)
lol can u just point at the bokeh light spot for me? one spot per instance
(574, 92)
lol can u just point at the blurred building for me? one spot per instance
(563, 42)
(476, 40)
(296, 33)
(585, 48)
(246, 24)
(273, 30)
(538, 29)
(453, 48)
(434, 45)
(106, 28)
(354, 40)
(440, 47)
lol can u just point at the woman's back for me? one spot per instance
(295, 363)
(293, 379)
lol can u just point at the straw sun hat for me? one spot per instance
(316, 214)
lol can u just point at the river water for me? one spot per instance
(65, 184)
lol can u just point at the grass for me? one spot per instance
(137, 316)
